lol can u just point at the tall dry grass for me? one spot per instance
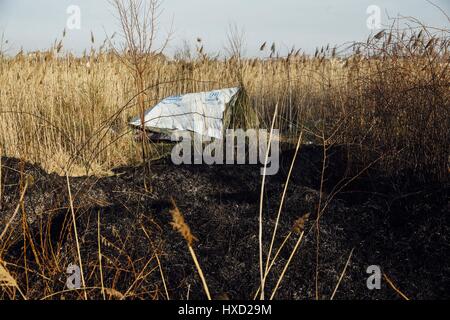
(388, 95)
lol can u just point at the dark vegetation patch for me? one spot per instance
(394, 222)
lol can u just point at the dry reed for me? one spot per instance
(182, 227)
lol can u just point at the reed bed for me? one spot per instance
(387, 95)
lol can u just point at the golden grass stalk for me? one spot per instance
(288, 236)
(200, 272)
(342, 275)
(261, 201)
(287, 265)
(161, 272)
(298, 228)
(182, 227)
(76, 236)
(1, 185)
(282, 202)
(141, 276)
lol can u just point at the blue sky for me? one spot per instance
(304, 24)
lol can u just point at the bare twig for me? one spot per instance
(391, 284)
(10, 221)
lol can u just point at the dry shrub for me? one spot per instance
(401, 102)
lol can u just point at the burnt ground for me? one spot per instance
(396, 223)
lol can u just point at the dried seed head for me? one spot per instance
(299, 224)
(379, 35)
(180, 225)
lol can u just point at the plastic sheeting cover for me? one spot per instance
(201, 113)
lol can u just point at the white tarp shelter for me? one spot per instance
(201, 113)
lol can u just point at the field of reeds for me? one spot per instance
(389, 95)
(381, 105)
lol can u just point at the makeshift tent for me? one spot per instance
(201, 113)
